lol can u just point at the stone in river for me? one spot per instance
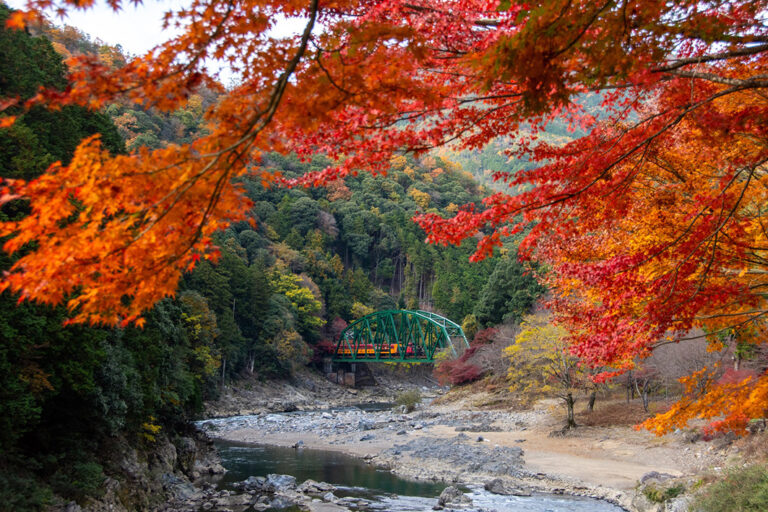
(252, 483)
(312, 487)
(498, 486)
(453, 497)
(279, 482)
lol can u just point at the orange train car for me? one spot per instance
(370, 350)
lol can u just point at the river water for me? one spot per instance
(386, 491)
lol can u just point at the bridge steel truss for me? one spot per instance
(411, 336)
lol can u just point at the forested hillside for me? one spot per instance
(307, 262)
(139, 127)
(498, 162)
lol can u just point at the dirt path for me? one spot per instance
(610, 463)
(616, 457)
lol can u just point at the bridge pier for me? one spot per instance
(348, 374)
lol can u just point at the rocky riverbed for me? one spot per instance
(414, 445)
(462, 443)
(391, 438)
(308, 390)
(282, 492)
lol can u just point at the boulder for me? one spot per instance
(351, 501)
(289, 407)
(642, 504)
(163, 457)
(275, 483)
(655, 476)
(206, 460)
(179, 488)
(453, 497)
(499, 486)
(312, 487)
(186, 450)
(252, 483)
(131, 466)
(679, 504)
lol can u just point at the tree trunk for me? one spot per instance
(644, 392)
(571, 421)
(402, 274)
(646, 389)
(592, 398)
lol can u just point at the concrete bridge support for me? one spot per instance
(348, 374)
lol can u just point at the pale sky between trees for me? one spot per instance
(138, 28)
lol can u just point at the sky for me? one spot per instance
(136, 28)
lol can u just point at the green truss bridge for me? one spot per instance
(399, 336)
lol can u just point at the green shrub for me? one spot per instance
(410, 399)
(22, 492)
(79, 480)
(743, 490)
(662, 494)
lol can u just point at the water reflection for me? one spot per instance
(243, 460)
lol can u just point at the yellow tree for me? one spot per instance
(359, 310)
(542, 364)
(306, 306)
(200, 324)
(420, 198)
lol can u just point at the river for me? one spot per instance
(384, 490)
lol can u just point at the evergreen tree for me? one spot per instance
(509, 293)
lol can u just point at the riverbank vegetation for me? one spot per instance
(740, 489)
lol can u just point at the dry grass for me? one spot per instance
(491, 392)
(754, 448)
(618, 413)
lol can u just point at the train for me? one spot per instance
(369, 350)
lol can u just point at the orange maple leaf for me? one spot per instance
(17, 20)
(7, 121)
